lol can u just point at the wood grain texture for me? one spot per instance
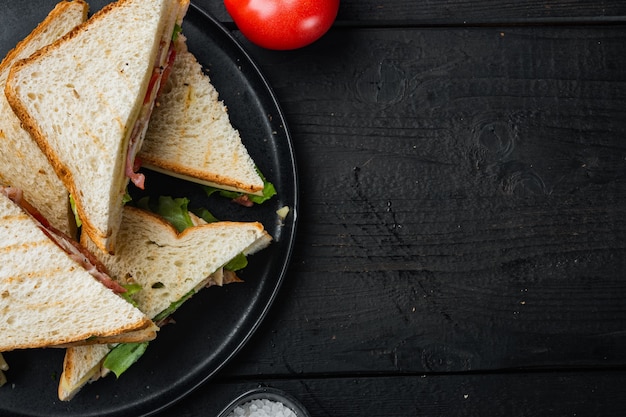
(535, 394)
(463, 205)
(463, 202)
(463, 184)
(462, 237)
(460, 12)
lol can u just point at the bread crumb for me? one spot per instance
(283, 212)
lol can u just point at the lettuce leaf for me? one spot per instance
(122, 356)
(127, 198)
(173, 307)
(174, 210)
(177, 31)
(205, 215)
(79, 223)
(269, 191)
(238, 262)
(130, 290)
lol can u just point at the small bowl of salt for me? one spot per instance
(264, 402)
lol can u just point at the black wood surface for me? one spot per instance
(527, 394)
(462, 242)
(462, 12)
(463, 200)
(461, 248)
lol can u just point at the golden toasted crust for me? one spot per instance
(80, 366)
(30, 124)
(36, 300)
(34, 174)
(102, 238)
(58, 10)
(144, 332)
(190, 135)
(188, 173)
(157, 222)
(148, 247)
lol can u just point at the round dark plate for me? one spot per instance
(214, 325)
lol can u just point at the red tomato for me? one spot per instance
(283, 24)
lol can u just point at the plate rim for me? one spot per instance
(149, 406)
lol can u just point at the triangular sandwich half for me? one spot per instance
(169, 266)
(22, 163)
(190, 135)
(50, 294)
(87, 99)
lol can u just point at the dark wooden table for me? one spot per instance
(461, 248)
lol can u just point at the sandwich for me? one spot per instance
(86, 100)
(64, 298)
(190, 135)
(22, 164)
(166, 266)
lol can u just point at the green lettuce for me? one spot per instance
(122, 356)
(269, 191)
(79, 223)
(175, 211)
(173, 307)
(130, 290)
(127, 198)
(177, 31)
(205, 215)
(238, 262)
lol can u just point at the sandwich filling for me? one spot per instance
(73, 249)
(162, 69)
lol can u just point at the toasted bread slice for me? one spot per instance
(22, 163)
(190, 135)
(82, 364)
(168, 265)
(47, 299)
(86, 98)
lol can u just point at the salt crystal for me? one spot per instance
(262, 408)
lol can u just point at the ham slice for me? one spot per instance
(157, 81)
(74, 250)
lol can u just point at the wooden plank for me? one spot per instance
(538, 394)
(460, 12)
(463, 202)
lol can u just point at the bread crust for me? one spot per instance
(31, 126)
(35, 175)
(39, 285)
(80, 366)
(190, 135)
(195, 175)
(104, 239)
(60, 9)
(180, 262)
(152, 251)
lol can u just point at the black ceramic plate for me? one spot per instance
(212, 327)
